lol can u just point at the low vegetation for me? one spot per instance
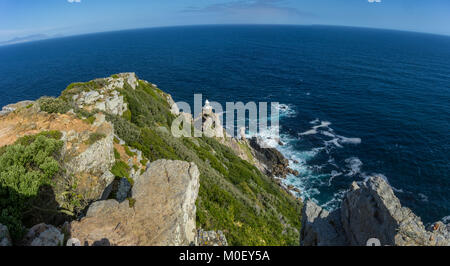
(234, 196)
(25, 168)
(53, 105)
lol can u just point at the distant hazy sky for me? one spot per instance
(19, 18)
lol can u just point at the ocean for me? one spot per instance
(356, 101)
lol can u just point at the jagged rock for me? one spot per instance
(107, 98)
(163, 212)
(12, 107)
(370, 210)
(320, 228)
(211, 238)
(91, 167)
(5, 239)
(275, 164)
(43, 235)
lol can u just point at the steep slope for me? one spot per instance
(234, 195)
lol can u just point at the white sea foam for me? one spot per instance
(349, 140)
(313, 177)
(354, 164)
(313, 130)
(446, 219)
(333, 175)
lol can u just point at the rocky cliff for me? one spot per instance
(106, 170)
(369, 211)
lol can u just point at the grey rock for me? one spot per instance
(370, 210)
(123, 190)
(321, 228)
(43, 235)
(275, 164)
(211, 238)
(5, 239)
(162, 210)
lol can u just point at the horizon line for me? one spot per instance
(58, 36)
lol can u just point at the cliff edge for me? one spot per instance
(369, 212)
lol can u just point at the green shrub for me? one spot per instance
(53, 105)
(127, 115)
(27, 140)
(78, 87)
(120, 169)
(94, 137)
(128, 152)
(90, 120)
(116, 154)
(131, 202)
(234, 196)
(25, 167)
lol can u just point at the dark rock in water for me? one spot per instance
(369, 211)
(274, 162)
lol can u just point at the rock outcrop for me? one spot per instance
(161, 211)
(369, 211)
(104, 96)
(5, 238)
(91, 165)
(274, 163)
(43, 235)
(87, 154)
(211, 238)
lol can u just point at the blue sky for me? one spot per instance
(20, 18)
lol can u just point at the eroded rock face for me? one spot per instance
(5, 239)
(274, 162)
(163, 212)
(369, 210)
(43, 235)
(107, 98)
(86, 163)
(211, 238)
(89, 164)
(320, 228)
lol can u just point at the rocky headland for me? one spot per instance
(101, 168)
(98, 166)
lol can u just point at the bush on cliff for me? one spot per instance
(25, 167)
(53, 105)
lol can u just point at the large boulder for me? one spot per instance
(320, 228)
(5, 239)
(161, 212)
(369, 211)
(43, 235)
